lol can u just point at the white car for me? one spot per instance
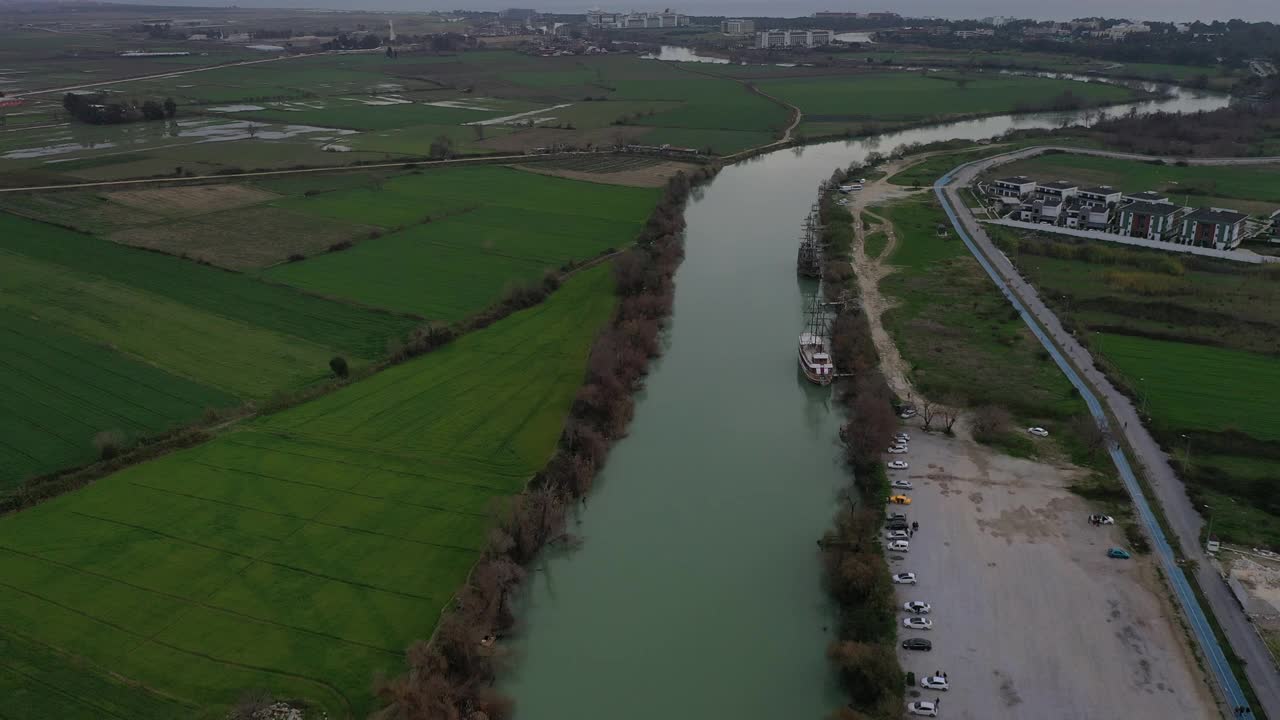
(1102, 520)
(901, 485)
(897, 535)
(1038, 431)
(900, 546)
(907, 413)
(905, 578)
(897, 464)
(902, 438)
(898, 449)
(918, 608)
(917, 623)
(936, 682)
(922, 707)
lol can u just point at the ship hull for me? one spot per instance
(810, 370)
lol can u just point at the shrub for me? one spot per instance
(108, 444)
(338, 365)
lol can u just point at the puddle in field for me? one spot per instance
(475, 104)
(77, 139)
(388, 87)
(266, 48)
(234, 108)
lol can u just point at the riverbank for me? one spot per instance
(452, 673)
(1118, 645)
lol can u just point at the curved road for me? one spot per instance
(1180, 514)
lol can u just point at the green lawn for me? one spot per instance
(490, 228)
(904, 96)
(301, 553)
(1199, 387)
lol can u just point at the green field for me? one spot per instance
(903, 96)
(489, 228)
(1231, 389)
(104, 338)
(57, 391)
(301, 553)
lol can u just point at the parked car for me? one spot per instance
(897, 535)
(898, 449)
(1038, 431)
(1118, 554)
(917, 623)
(917, 607)
(896, 516)
(900, 546)
(935, 682)
(923, 708)
(905, 578)
(907, 413)
(901, 484)
(900, 500)
(1102, 520)
(902, 438)
(897, 464)
(917, 644)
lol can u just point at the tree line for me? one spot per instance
(855, 571)
(451, 675)
(97, 109)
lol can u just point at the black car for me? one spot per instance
(916, 644)
(897, 525)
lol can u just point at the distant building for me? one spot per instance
(793, 38)
(518, 14)
(1123, 30)
(1018, 186)
(619, 21)
(1056, 190)
(737, 26)
(1099, 197)
(833, 15)
(1148, 220)
(1213, 227)
(1148, 196)
(980, 32)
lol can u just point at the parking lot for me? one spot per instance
(1031, 618)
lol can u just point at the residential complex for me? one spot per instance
(794, 38)
(622, 21)
(1147, 215)
(737, 26)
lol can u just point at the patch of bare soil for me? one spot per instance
(527, 140)
(650, 176)
(191, 199)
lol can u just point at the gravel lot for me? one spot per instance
(1031, 619)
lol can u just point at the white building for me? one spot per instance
(980, 32)
(1124, 30)
(794, 38)
(737, 26)
(1056, 190)
(1100, 196)
(616, 21)
(1018, 186)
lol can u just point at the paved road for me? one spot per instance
(1182, 517)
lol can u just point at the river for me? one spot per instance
(696, 590)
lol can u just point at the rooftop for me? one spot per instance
(1058, 185)
(1217, 215)
(1152, 208)
(1100, 190)
(1148, 196)
(1016, 180)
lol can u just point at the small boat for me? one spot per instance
(815, 348)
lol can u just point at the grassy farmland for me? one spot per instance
(1195, 344)
(489, 228)
(300, 553)
(832, 103)
(105, 338)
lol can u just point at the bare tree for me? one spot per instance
(950, 412)
(990, 419)
(928, 413)
(1092, 436)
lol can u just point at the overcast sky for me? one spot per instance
(1133, 9)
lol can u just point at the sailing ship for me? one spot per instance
(809, 258)
(815, 347)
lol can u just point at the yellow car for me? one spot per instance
(900, 500)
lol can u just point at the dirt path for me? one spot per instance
(870, 271)
(159, 76)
